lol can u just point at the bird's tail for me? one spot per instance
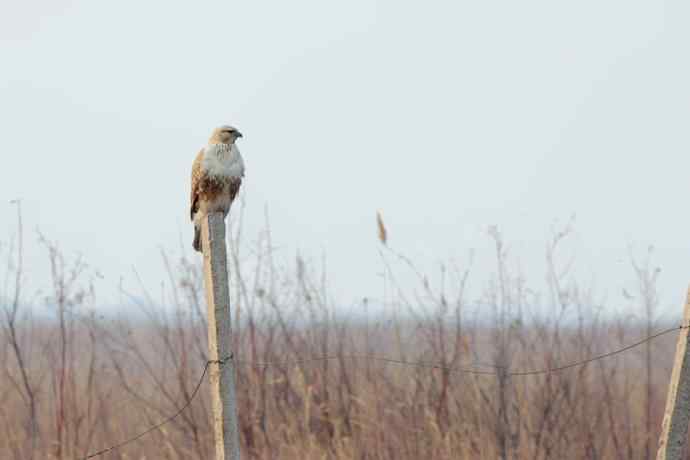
(197, 239)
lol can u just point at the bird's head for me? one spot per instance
(224, 135)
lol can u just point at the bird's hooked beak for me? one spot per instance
(238, 134)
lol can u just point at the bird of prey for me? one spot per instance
(217, 174)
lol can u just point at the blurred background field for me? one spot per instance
(77, 378)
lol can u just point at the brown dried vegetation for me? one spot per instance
(77, 382)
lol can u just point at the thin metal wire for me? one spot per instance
(463, 370)
(605, 355)
(364, 357)
(380, 359)
(155, 427)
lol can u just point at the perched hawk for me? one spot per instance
(217, 174)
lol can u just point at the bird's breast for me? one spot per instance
(222, 162)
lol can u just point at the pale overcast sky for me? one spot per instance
(447, 116)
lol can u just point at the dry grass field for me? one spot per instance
(76, 381)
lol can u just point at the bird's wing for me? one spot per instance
(197, 175)
(235, 183)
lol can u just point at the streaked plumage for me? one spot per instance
(217, 174)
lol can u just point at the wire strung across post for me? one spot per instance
(167, 420)
(222, 361)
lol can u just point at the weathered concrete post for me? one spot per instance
(221, 375)
(674, 430)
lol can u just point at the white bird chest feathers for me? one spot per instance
(223, 161)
